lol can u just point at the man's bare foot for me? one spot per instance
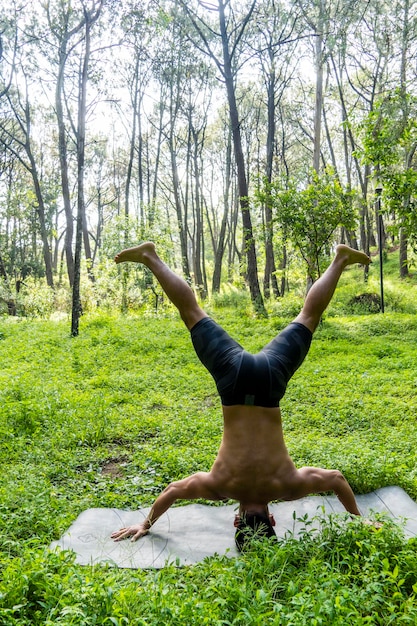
(138, 254)
(351, 256)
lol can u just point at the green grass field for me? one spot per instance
(109, 418)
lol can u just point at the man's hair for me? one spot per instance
(253, 526)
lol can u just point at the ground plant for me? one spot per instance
(107, 419)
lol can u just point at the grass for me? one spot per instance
(109, 418)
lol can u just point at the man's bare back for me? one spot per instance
(253, 463)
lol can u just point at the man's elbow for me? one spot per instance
(338, 476)
(339, 481)
(172, 493)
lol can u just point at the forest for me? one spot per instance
(246, 138)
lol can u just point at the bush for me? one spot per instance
(365, 303)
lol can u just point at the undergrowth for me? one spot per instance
(130, 394)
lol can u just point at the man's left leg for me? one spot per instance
(218, 352)
(175, 287)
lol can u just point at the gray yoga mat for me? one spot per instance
(187, 534)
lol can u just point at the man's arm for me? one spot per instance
(317, 480)
(190, 488)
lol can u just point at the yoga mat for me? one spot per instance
(185, 535)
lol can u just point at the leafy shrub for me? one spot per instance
(35, 299)
(347, 573)
(287, 307)
(231, 296)
(365, 303)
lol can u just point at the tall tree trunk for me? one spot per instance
(270, 278)
(318, 111)
(40, 210)
(151, 216)
(132, 145)
(249, 239)
(63, 155)
(404, 272)
(403, 253)
(198, 216)
(90, 18)
(220, 247)
(319, 97)
(178, 210)
(47, 256)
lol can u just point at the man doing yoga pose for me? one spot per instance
(252, 465)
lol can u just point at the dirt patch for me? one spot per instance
(114, 467)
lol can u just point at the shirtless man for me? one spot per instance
(253, 465)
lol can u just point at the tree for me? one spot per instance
(230, 35)
(90, 17)
(63, 32)
(16, 136)
(219, 241)
(274, 41)
(311, 216)
(8, 45)
(390, 145)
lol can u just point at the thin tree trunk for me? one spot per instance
(63, 158)
(40, 210)
(81, 218)
(270, 278)
(403, 253)
(220, 248)
(249, 239)
(319, 99)
(198, 217)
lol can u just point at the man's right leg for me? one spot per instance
(323, 289)
(289, 348)
(175, 287)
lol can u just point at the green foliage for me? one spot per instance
(348, 573)
(129, 394)
(389, 139)
(35, 299)
(287, 307)
(389, 130)
(310, 216)
(231, 296)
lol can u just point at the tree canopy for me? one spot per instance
(210, 127)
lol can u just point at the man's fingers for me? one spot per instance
(124, 533)
(120, 534)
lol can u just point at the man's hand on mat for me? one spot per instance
(135, 532)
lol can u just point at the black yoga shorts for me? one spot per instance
(252, 379)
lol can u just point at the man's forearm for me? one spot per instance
(345, 494)
(161, 504)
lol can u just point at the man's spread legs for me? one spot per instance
(320, 294)
(175, 287)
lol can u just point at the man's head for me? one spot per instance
(253, 525)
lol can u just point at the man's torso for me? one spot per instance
(253, 463)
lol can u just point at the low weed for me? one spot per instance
(108, 418)
(348, 573)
